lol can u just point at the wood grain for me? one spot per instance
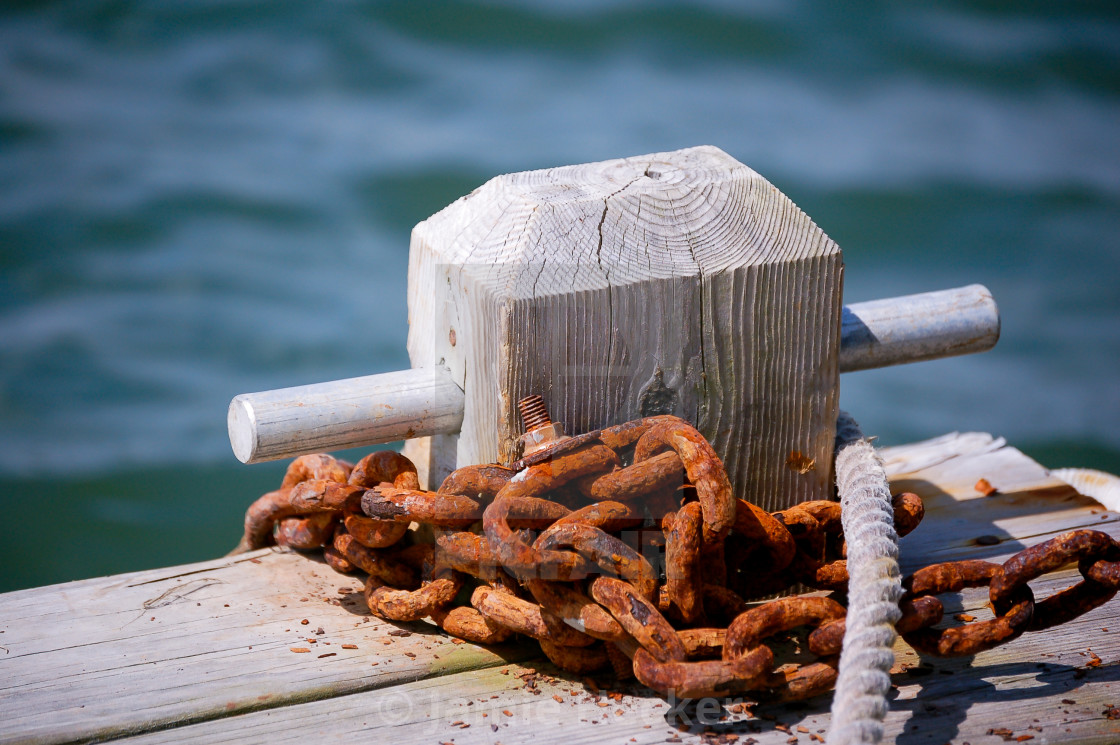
(679, 283)
(98, 658)
(1029, 506)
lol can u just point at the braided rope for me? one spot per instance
(1098, 485)
(874, 588)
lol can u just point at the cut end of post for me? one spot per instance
(242, 424)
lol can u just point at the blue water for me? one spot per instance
(204, 199)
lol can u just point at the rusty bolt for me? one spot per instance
(533, 412)
(540, 430)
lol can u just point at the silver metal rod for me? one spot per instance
(343, 414)
(913, 328)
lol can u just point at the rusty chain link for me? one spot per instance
(624, 548)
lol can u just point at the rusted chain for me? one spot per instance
(526, 618)
(703, 643)
(766, 533)
(704, 678)
(623, 547)
(374, 533)
(576, 609)
(468, 553)
(411, 605)
(704, 469)
(305, 533)
(578, 660)
(917, 613)
(968, 640)
(309, 497)
(310, 532)
(1090, 546)
(639, 617)
(908, 512)
(317, 467)
(385, 466)
(722, 603)
(295, 498)
(467, 623)
(640, 479)
(262, 516)
(386, 567)
(750, 628)
(682, 562)
(613, 556)
(608, 516)
(476, 481)
(336, 561)
(432, 508)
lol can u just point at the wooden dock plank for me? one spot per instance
(98, 658)
(1029, 507)
(1020, 686)
(203, 651)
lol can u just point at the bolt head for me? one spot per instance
(541, 437)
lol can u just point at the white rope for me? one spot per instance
(874, 588)
(1098, 485)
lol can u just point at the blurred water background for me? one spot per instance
(207, 198)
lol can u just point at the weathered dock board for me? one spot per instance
(202, 653)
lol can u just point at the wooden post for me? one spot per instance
(418, 402)
(679, 283)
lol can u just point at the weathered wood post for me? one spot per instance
(678, 282)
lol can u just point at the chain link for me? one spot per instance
(624, 547)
